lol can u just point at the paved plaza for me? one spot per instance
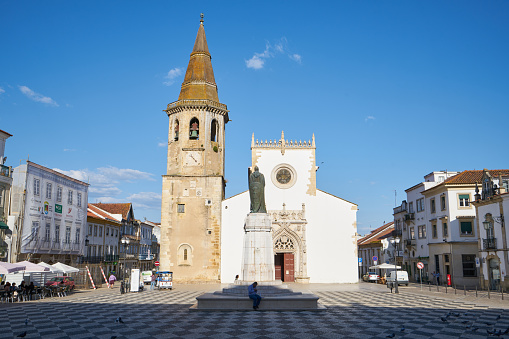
(353, 311)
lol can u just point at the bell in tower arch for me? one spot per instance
(194, 130)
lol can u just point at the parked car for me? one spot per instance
(61, 281)
(370, 276)
(402, 277)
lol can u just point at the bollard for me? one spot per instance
(429, 285)
(454, 288)
(502, 293)
(476, 291)
(445, 289)
(488, 292)
(464, 290)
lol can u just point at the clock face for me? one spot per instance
(193, 158)
(283, 176)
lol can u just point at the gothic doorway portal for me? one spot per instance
(285, 268)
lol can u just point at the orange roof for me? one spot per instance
(122, 208)
(470, 177)
(96, 212)
(377, 234)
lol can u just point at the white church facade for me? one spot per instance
(313, 232)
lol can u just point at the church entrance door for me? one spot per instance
(278, 265)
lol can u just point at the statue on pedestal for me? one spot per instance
(257, 191)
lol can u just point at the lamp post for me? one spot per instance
(395, 241)
(125, 241)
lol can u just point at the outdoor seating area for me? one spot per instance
(45, 281)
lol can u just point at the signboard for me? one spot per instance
(420, 265)
(360, 261)
(375, 258)
(477, 262)
(156, 263)
(58, 208)
(135, 280)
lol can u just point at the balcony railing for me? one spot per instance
(146, 257)
(409, 216)
(6, 171)
(409, 242)
(489, 244)
(111, 257)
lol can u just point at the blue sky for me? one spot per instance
(392, 89)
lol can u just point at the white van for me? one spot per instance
(146, 277)
(402, 277)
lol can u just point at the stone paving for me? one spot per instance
(353, 311)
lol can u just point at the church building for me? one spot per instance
(313, 232)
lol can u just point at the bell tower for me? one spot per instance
(193, 187)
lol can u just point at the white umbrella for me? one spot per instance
(31, 267)
(51, 268)
(385, 267)
(6, 268)
(65, 268)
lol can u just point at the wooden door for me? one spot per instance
(278, 265)
(289, 273)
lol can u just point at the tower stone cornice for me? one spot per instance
(197, 104)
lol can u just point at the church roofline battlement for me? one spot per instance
(282, 143)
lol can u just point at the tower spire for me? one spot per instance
(199, 82)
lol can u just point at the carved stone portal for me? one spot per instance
(289, 236)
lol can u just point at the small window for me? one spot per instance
(445, 230)
(420, 205)
(194, 129)
(57, 233)
(422, 231)
(78, 230)
(48, 232)
(411, 207)
(78, 199)
(67, 234)
(412, 233)
(185, 254)
(432, 205)
(446, 257)
(464, 198)
(100, 231)
(434, 231)
(442, 202)
(48, 190)
(181, 208)
(37, 187)
(90, 230)
(59, 194)
(95, 230)
(466, 227)
(107, 231)
(69, 197)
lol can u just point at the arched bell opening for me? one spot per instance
(213, 130)
(176, 130)
(194, 129)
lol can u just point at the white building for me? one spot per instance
(5, 189)
(146, 255)
(314, 232)
(492, 210)
(375, 245)
(412, 219)
(48, 215)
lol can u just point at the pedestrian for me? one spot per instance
(152, 281)
(112, 280)
(438, 278)
(253, 295)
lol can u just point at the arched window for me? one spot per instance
(185, 255)
(194, 129)
(213, 130)
(176, 130)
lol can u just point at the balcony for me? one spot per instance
(489, 244)
(145, 257)
(111, 257)
(409, 216)
(409, 242)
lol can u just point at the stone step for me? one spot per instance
(222, 302)
(264, 291)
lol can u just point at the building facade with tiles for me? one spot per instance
(492, 211)
(48, 215)
(313, 232)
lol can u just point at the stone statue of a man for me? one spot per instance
(257, 191)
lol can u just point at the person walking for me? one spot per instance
(252, 291)
(152, 281)
(112, 280)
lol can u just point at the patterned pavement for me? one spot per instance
(165, 314)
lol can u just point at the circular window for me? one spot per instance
(284, 176)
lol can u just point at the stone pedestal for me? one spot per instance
(258, 254)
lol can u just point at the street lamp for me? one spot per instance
(395, 241)
(125, 241)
